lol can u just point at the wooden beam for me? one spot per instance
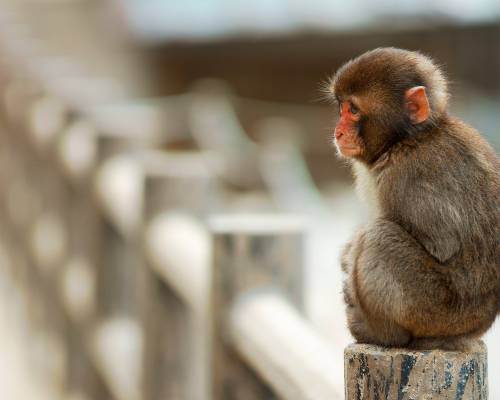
(283, 347)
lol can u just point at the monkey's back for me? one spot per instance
(443, 188)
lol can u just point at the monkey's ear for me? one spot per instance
(417, 104)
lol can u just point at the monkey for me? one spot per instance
(424, 271)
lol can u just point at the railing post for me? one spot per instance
(117, 189)
(175, 327)
(373, 372)
(75, 152)
(249, 252)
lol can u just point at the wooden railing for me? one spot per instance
(139, 289)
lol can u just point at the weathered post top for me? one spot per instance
(373, 372)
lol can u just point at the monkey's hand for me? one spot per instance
(350, 252)
(345, 258)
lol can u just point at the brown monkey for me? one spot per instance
(425, 272)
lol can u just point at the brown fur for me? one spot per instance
(426, 272)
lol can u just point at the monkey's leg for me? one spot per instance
(399, 286)
(366, 328)
(362, 328)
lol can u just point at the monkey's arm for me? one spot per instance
(435, 224)
(430, 211)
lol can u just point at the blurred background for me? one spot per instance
(116, 111)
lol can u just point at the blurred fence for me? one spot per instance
(151, 243)
(157, 247)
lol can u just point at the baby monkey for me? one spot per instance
(424, 273)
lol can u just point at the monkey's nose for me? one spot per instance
(338, 133)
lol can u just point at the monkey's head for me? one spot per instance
(385, 95)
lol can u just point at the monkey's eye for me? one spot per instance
(353, 109)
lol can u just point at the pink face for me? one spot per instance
(347, 137)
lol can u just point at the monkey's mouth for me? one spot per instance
(348, 150)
